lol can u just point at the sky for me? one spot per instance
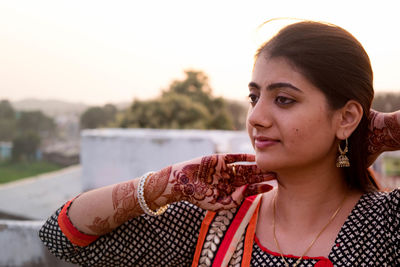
(98, 52)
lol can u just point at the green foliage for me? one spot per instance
(6, 110)
(96, 117)
(11, 171)
(386, 102)
(7, 130)
(172, 111)
(187, 104)
(25, 146)
(194, 86)
(31, 128)
(35, 122)
(238, 113)
(25, 129)
(13, 124)
(7, 121)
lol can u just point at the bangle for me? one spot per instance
(142, 201)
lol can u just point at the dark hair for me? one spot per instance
(336, 63)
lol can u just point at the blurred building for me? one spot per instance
(5, 150)
(387, 169)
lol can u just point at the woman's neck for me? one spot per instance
(303, 196)
(307, 203)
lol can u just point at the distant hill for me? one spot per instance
(53, 107)
(49, 107)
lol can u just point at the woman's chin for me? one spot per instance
(267, 165)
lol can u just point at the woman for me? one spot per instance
(310, 95)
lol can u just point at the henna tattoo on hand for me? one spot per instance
(393, 126)
(206, 169)
(214, 179)
(255, 189)
(124, 196)
(155, 186)
(384, 133)
(124, 202)
(100, 226)
(121, 192)
(188, 186)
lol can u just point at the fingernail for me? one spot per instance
(270, 175)
(256, 189)
(265, 188)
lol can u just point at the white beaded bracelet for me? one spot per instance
(142, 201)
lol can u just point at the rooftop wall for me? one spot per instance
(109, 156)
(21, 246)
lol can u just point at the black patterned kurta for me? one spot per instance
(369, 237)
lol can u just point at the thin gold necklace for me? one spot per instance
(315, 239)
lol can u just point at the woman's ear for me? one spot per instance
(349, 117)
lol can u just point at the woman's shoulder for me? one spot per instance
(381, 197)
(381, 203)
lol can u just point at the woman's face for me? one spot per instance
(289, 122)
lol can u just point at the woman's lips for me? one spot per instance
(264, 142)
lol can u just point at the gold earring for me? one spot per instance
(342, 160)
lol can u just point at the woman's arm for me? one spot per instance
(208, 182)
(166, 240)
(104, 226)
(108, 207)
(384, 133)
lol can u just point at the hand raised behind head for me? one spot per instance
(384, 133)
(217, 182)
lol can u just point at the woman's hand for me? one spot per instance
(384, 133)
(216, 182)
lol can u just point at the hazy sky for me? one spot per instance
(113, 51)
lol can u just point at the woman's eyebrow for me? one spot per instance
(253, 85)
(274, 86)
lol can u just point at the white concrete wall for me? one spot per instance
(20, 246)
(109, 156)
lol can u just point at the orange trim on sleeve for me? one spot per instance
(202, 236)
(74, 235)
(249, 238)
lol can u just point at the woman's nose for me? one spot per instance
(259, 115)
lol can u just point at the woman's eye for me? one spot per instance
(281, 100)
(253, 98)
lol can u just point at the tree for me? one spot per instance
(95, 117)
(110, 112)
(187, 104)
(173, 111)
(35, 122)
(7, 130)
(6, 110)
(238, 113)
(195, 86)
(221, 118)
(25, 146)
(7, 121)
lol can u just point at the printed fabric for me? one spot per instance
(369, 237)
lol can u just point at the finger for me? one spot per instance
(255, 189)
(232, 158)
(253, 178)
(251, 174)
(250, 169)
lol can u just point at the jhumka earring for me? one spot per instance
(342, 159)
